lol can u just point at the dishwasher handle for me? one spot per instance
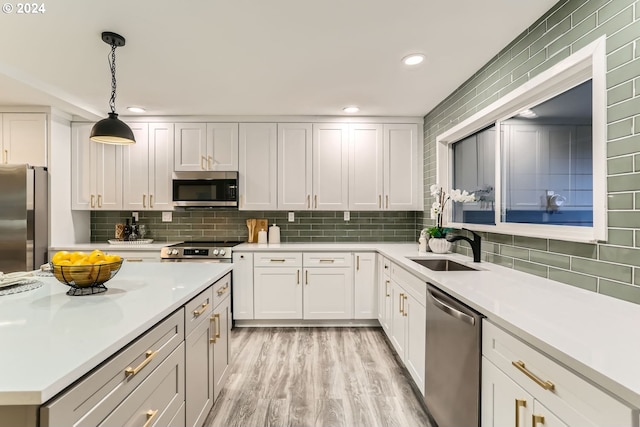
(452, 311)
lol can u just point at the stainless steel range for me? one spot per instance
(198, 251)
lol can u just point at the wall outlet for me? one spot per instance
(135, 215)
(292, 217)
(167, 216)
(347, 216)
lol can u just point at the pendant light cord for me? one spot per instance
(112, 66)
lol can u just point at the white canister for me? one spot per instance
(262, 236)
(274, 234)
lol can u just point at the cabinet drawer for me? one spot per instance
(221, 289)
(570, 397)
(92, 399)
(277, 259)
(412, 284)
(327, 259)
(157, 399)
(198, 309)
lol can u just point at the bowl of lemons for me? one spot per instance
(85, 273)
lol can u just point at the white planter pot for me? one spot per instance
(439, 246)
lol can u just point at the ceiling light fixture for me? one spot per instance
(352, 109)
(413, 59)
(136, 109)
(528, 114)
(112, 130)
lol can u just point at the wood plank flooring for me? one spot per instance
(315, 377)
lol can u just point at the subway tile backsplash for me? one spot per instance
(316, 226)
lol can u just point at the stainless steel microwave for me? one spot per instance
(205, 189)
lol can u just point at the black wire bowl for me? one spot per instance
(86, 279)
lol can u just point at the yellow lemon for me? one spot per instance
(101, 271)
(75, 256)
(96, 256)
(59, 256)
(113, 260)
(61, 270)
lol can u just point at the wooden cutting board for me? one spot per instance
(261, 224)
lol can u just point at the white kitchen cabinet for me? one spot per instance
(384, 294)
(277, 285)
(521, 383)
(398, 326)
(295, 154)
(330, 167)
(365, 286)
(221, 346)
(206, 147)
(147, 167)
(24, 138)
(96, 172)
(258, 174)
(242, 285)
(328, 293)
(415, 315)
(384, 167)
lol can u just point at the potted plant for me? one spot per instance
(438, 233)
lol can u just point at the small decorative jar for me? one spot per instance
(439, 245)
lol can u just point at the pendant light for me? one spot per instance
(112, 130)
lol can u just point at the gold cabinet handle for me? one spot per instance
(401, 304)
(93, 201)
(99, 200)
(144, 200)
(201, 310)
(315, 201)
(209, 159)
(547, 385)
(149, 355)
(379, 201)
(306, 277)
(386, 201)
(358, 263)
(405, 313)
(202, 160)
(327, 260)
(150, 200)
(215, 319)
(297, 277)
(134, 259)
(221, 291)
(386, 288)
(277, 260)
(537, 419)
(519, 403)
(308, 201)
(150, 416)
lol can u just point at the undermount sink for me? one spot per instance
(442, 265)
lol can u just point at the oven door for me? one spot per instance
(205, 189)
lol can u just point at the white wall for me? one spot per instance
(65, 226)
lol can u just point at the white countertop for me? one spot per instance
(88, 247)
(593, 334)
(50, 339)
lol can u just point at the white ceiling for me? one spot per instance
(254, 57)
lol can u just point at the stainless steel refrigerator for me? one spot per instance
(24, 207)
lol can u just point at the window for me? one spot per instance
(535, 158)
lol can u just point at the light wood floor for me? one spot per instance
(315, 377)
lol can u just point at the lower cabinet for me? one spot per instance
(522, 386)
(365, 286)
(277, 292)
(328, 293)
(242, 285)
(385, 301)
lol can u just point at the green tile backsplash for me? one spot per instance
(612, 267)
(314, 226)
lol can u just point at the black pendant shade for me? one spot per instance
(112, 130)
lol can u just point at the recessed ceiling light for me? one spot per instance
(413, 59)
(136, 109)
(528, 114)
(352, 109)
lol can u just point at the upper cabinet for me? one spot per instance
(258, 166)
(206, 147)
(147, 167)
(96, 172)
(330, 167)
(295, 153)
(24, 138)
(366, 163)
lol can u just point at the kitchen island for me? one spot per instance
(51, 340)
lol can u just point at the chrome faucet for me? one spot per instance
(475, 243)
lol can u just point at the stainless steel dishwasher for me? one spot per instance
(452, 370)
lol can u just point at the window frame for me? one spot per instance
(587, 63)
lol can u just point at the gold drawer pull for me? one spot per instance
(149, 355)
(331, 261)
(204, 306)
(297, 277)
(277, 260)
(535, 419)
(134, 259)
(547, 385)
(223, 290)
(519, 403)
(150, 416)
